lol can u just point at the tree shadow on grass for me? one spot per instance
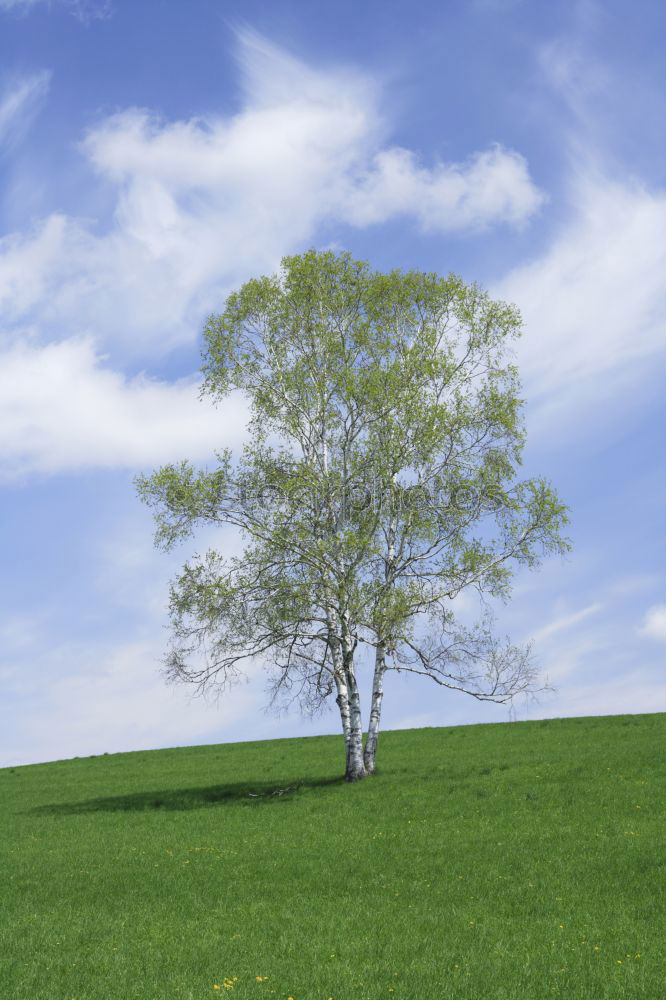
(182, 799)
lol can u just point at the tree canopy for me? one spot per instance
(378, 481)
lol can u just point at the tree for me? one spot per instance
(378, 483)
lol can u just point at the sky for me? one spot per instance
(154, 156)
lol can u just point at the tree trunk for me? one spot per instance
(345, 716)
(375, 708)
(380, 659)
(355, 766)
(343, 700)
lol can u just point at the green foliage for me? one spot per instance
(181, 496)
(378, 481)
(514, 862)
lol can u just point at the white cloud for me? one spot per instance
(97, 697)
(635, 583)
(19, 632)
(594, 304)
(17, 4)
(573, 73)
(418, 721)
(203, 204)
(19, 101)
(627, 693)
(123, 704)
(576, 656)
(89, 10)
(128, 572)
(654, 623)
(61, 409)
(31, 268)
(83, 10)
(492, 187)
(566, 622)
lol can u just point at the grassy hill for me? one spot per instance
(520, 860)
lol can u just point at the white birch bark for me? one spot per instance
(342, 699)
(348, 698)
(375, 708)
(355, 765)
(380, 665)
(339, 654)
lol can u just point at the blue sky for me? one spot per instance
(153, 156)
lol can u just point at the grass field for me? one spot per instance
(520, 860)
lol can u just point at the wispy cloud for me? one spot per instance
(627, 692)
(594, 296)
(20, 99)
(576, 76)
(594, 302)
(97, 696)
(78, 711)
(566, 621)
(654, 623)
(83, 10)
(18, 5)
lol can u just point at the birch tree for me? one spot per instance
(379, 481)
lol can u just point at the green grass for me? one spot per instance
(521, 860)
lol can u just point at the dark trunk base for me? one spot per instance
(356, 775)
